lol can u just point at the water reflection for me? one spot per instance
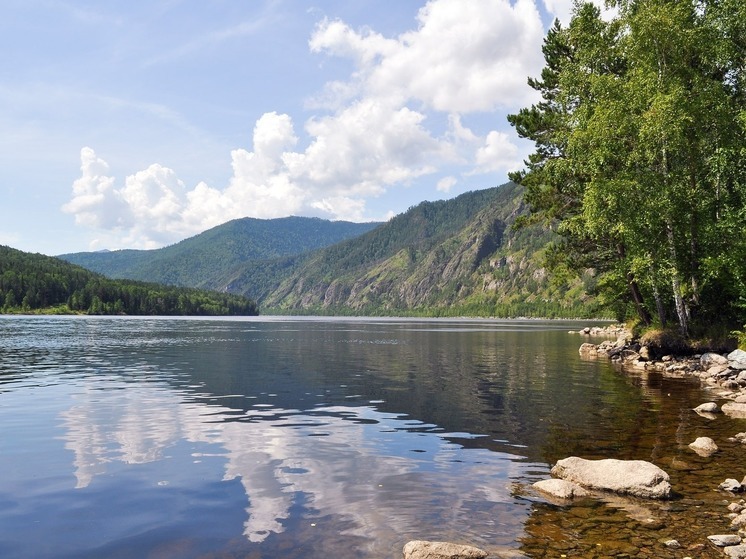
(309, 438)
(380, 472)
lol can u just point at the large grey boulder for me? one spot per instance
(627, 477)
(737, 359)
(420, 549)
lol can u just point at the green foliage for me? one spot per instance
(639, 163)
(51, 284)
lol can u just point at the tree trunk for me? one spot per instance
(634, 290)
(682, 312)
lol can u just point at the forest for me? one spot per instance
(640, 139)
(33, 282)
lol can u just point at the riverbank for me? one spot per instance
(724, 376)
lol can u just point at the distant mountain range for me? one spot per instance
(213, 259)
(456, 257)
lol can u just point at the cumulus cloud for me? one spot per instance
(497, 153)
(446, 184)
(464, 56)
(375, 131)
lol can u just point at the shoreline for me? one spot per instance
(722, 373)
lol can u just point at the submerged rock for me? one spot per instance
(560, 488)
(704, 446)
(627, 477)
(419, 549)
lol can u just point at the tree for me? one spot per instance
(635, 149)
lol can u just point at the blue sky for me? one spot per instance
(137, 124)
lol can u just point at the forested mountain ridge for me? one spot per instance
(211, 259)
(445, 258)
(454, 257)
(34, 282)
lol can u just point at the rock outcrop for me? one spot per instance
(626, 477)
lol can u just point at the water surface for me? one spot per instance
(262, 437)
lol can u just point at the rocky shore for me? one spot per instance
(628, 483)
(725, 373)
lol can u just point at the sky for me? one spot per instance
(138, 124)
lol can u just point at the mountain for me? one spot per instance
(34, 282)
(454, 257)
(214, 258)
(445, 258)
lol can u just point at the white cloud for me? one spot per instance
(498, 153)
(446, 184)
(464, 56)
(372, 133)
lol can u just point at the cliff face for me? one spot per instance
(438, 258)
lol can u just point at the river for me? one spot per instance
(326, 437)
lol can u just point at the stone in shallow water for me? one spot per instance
(628, 477)
(736, 551)
(724, 540)
(707, 407)
(419, 549)
(734, 409)
(737, 359)
(732, 485)
(704, 446)
(560, 488)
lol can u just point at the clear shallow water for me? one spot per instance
(137, 437)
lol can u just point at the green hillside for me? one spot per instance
(447, 258)
(454, 257)
(212, 259)
(38, 283)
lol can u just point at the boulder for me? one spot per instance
(588, 350)
(707, 407)
(734, 409)
(737, 359)
(419, 549)
(627, 477)
(560, 488)
(704, 446)
(708, 360)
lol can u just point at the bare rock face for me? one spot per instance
(627, 477)
(419, 549)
